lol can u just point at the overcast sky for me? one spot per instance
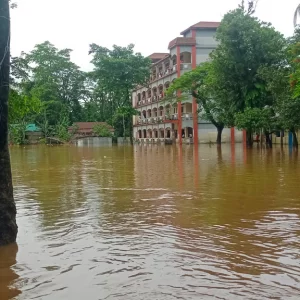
(150, 25)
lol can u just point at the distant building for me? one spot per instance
(158, 119)
(86, 128)
(33, 133)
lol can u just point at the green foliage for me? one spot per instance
(17, 133)
(245, 45)
(48, 74)
(22, 107)
(116, 73)
(201, 83)
(251, 119)
(74, 129)
(102, 130)
(61, 128)
(122, 121)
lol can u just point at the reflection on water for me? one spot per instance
(154, 222)
(7, 272)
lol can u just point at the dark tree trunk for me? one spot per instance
(219, 136)
(249, 138)
(131, 131)
(295, 139)
(281, 138)
(268, 140)
(8, 226)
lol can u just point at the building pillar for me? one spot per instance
(195, 106)
(245, 138)
(232, 134)
(179, 103)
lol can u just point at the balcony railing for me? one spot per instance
(187, 116)
(162, 74)
(166, 117)
(185, 66)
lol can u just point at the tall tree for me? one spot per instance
(246, 45)
(48, 74)
(117, 72)
(8, 226)
(202, 85)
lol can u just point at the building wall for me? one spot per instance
(206, 38)
(205, 44)
(188, 34)
(202, 54)
(208, 134)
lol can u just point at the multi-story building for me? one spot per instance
(159, 119)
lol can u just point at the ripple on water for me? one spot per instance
(153, 223)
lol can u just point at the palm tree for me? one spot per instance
(296, 15)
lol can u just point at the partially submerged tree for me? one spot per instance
(102, 130)
(245, 46)
(122, 121)
(8, 226)
(201, 84)
(117, 72)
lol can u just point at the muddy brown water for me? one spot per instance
(154, 222)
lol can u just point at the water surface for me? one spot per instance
(154, 222)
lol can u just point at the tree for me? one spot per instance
(201, 84)
(8, 225)
(102, 130)
(245, 46)
(117, 72)
(121, 120)
(48, 74)
(22, 107)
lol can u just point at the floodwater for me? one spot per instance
(154, 222)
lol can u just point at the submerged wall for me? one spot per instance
(94, 141)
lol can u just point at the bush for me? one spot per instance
(102, 130)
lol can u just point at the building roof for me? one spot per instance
(157, 56)
(182, 41)
(32, 128)
(87, 127)
(202, 25)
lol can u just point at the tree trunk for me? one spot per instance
(8, 226)
(295, 139)
(268, 140)
(219, 136)
(281, 138)
(131, 131)
(249, 138)
(124, 128)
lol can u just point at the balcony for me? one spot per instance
(163, 74)
(186, 66)
(171, 117)
(187, 116)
